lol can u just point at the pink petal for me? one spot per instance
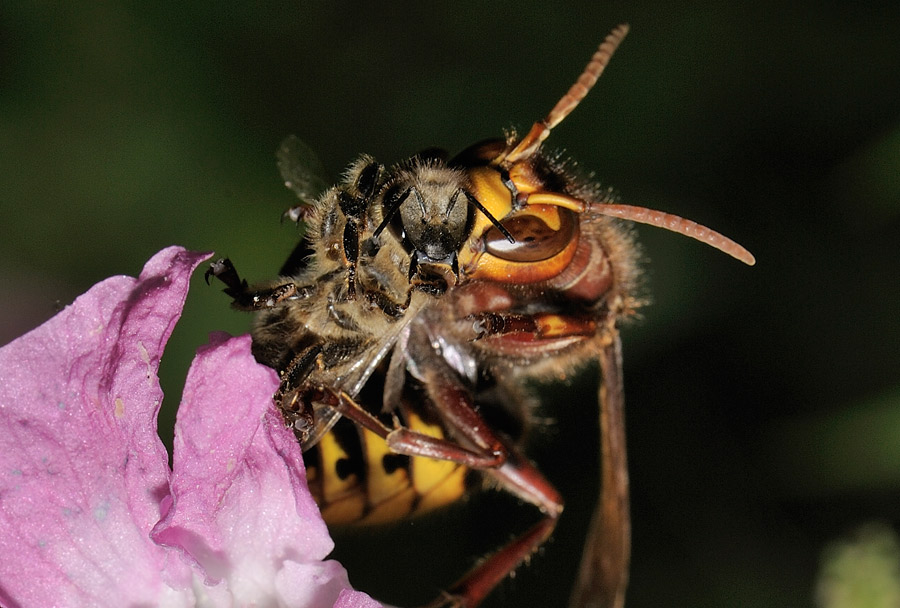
(84, 477)
(355, 599)
(241, 508)
(82, 470)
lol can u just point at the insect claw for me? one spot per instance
(479, 328)
(224, 270)
(297, 213)
(215, 269)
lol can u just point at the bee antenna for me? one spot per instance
(477, 204)
(541, 130)
(393, 207)
(674, 223)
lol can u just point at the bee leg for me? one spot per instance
(516, 475)
(298, 213)
(603, 575)
(351, 251)
(295, 404)
(402, 440)
(541, 326)
(224, 270)
(244, 297)
(354, 209)
(522, 479)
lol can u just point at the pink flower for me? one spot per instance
(91, 514)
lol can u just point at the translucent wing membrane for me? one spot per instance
(300, 169)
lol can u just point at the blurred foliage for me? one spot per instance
(763, 409)
(862, 572)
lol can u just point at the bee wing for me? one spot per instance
(603, 575)
(352, 380)
(300, 169)
(325, 417)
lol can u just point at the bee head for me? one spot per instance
(429, 208)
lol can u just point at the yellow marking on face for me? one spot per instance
(496, 198)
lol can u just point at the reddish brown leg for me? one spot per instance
(502, 463)
(539, 326)
(522, 479)
(603, 575)
(517, 476)
(405, 441)
(473, 444)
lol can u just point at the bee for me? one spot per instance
(422, 300)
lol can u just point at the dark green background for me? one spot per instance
(764, 403)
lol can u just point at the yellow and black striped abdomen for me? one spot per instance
(355, 479)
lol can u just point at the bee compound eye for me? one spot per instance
(539, 233)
